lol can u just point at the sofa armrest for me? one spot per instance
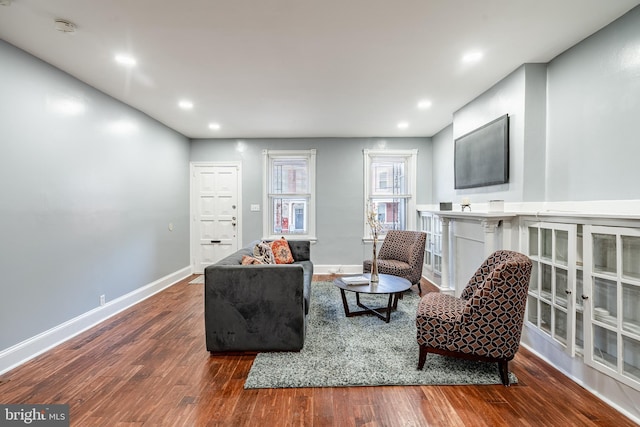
(254, 307)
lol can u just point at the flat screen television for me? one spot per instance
(481, 157)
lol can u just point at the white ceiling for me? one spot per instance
(301, 68)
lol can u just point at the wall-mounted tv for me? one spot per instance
(481, 157)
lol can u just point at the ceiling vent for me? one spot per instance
(65, 26)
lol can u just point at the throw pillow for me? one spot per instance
(263, 253)
(248, 260)
(281, 251)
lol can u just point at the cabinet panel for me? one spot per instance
(605, 346)
(612, 315)
(631, 357)
(432, 226)
(551, 303)
(630, 257)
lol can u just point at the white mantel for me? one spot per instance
(479, 227)
(493, 230)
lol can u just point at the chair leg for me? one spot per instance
(419, 289)
(503, 368)
(423, 357)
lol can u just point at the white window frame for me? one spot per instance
(268, 156)
(411, 160)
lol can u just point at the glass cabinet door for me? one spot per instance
(426, 226)
(432, 226)
(612, 313)
(551, 304)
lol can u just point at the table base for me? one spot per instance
(383, 313)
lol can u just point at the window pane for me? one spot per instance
(388, 177)
(290, 176)
(560, 326)
(289, 215)
(391, 213)
(562, 247)
(533, 241)
(605, 346)
(604, 253)
(631, 257)
(546, 243)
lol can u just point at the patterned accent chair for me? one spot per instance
(401, 254)
(485, 323)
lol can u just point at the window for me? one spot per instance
(289, 193)
(390, 188)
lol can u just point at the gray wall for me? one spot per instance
(506, 97)
(574, 124)
(339, 186)
(84, 207)
(442, 170)
(593, 116)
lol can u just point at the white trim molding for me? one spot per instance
(24, 351)
(267, 158)
(410, 158)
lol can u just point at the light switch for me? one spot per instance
(255, 208)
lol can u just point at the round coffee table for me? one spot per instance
(388, 284)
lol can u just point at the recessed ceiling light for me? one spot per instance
(185, 104)
(126, 60)
(214, 126)
(474, 56)
(424, 104)
(403, 125)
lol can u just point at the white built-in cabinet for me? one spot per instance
(432, 226)
(584, 293)
(554, 303)
(612, 284)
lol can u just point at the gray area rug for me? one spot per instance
(362, 351)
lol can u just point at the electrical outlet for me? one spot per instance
(102, 300)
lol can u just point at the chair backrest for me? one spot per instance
(406, 246)
(496, 298)
(403, 245)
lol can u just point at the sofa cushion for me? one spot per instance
(236, 257)
(262, 251)
(248, 260)
(281, 251)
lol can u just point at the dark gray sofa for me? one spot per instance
(258, 307)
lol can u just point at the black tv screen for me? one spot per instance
(481, 157)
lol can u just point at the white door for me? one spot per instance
(215, 213)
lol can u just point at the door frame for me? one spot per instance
(194, 239)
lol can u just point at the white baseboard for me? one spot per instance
(20, 353)
(337, 269)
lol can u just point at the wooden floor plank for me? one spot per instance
(148, 366)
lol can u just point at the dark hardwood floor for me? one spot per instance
(148, 366)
